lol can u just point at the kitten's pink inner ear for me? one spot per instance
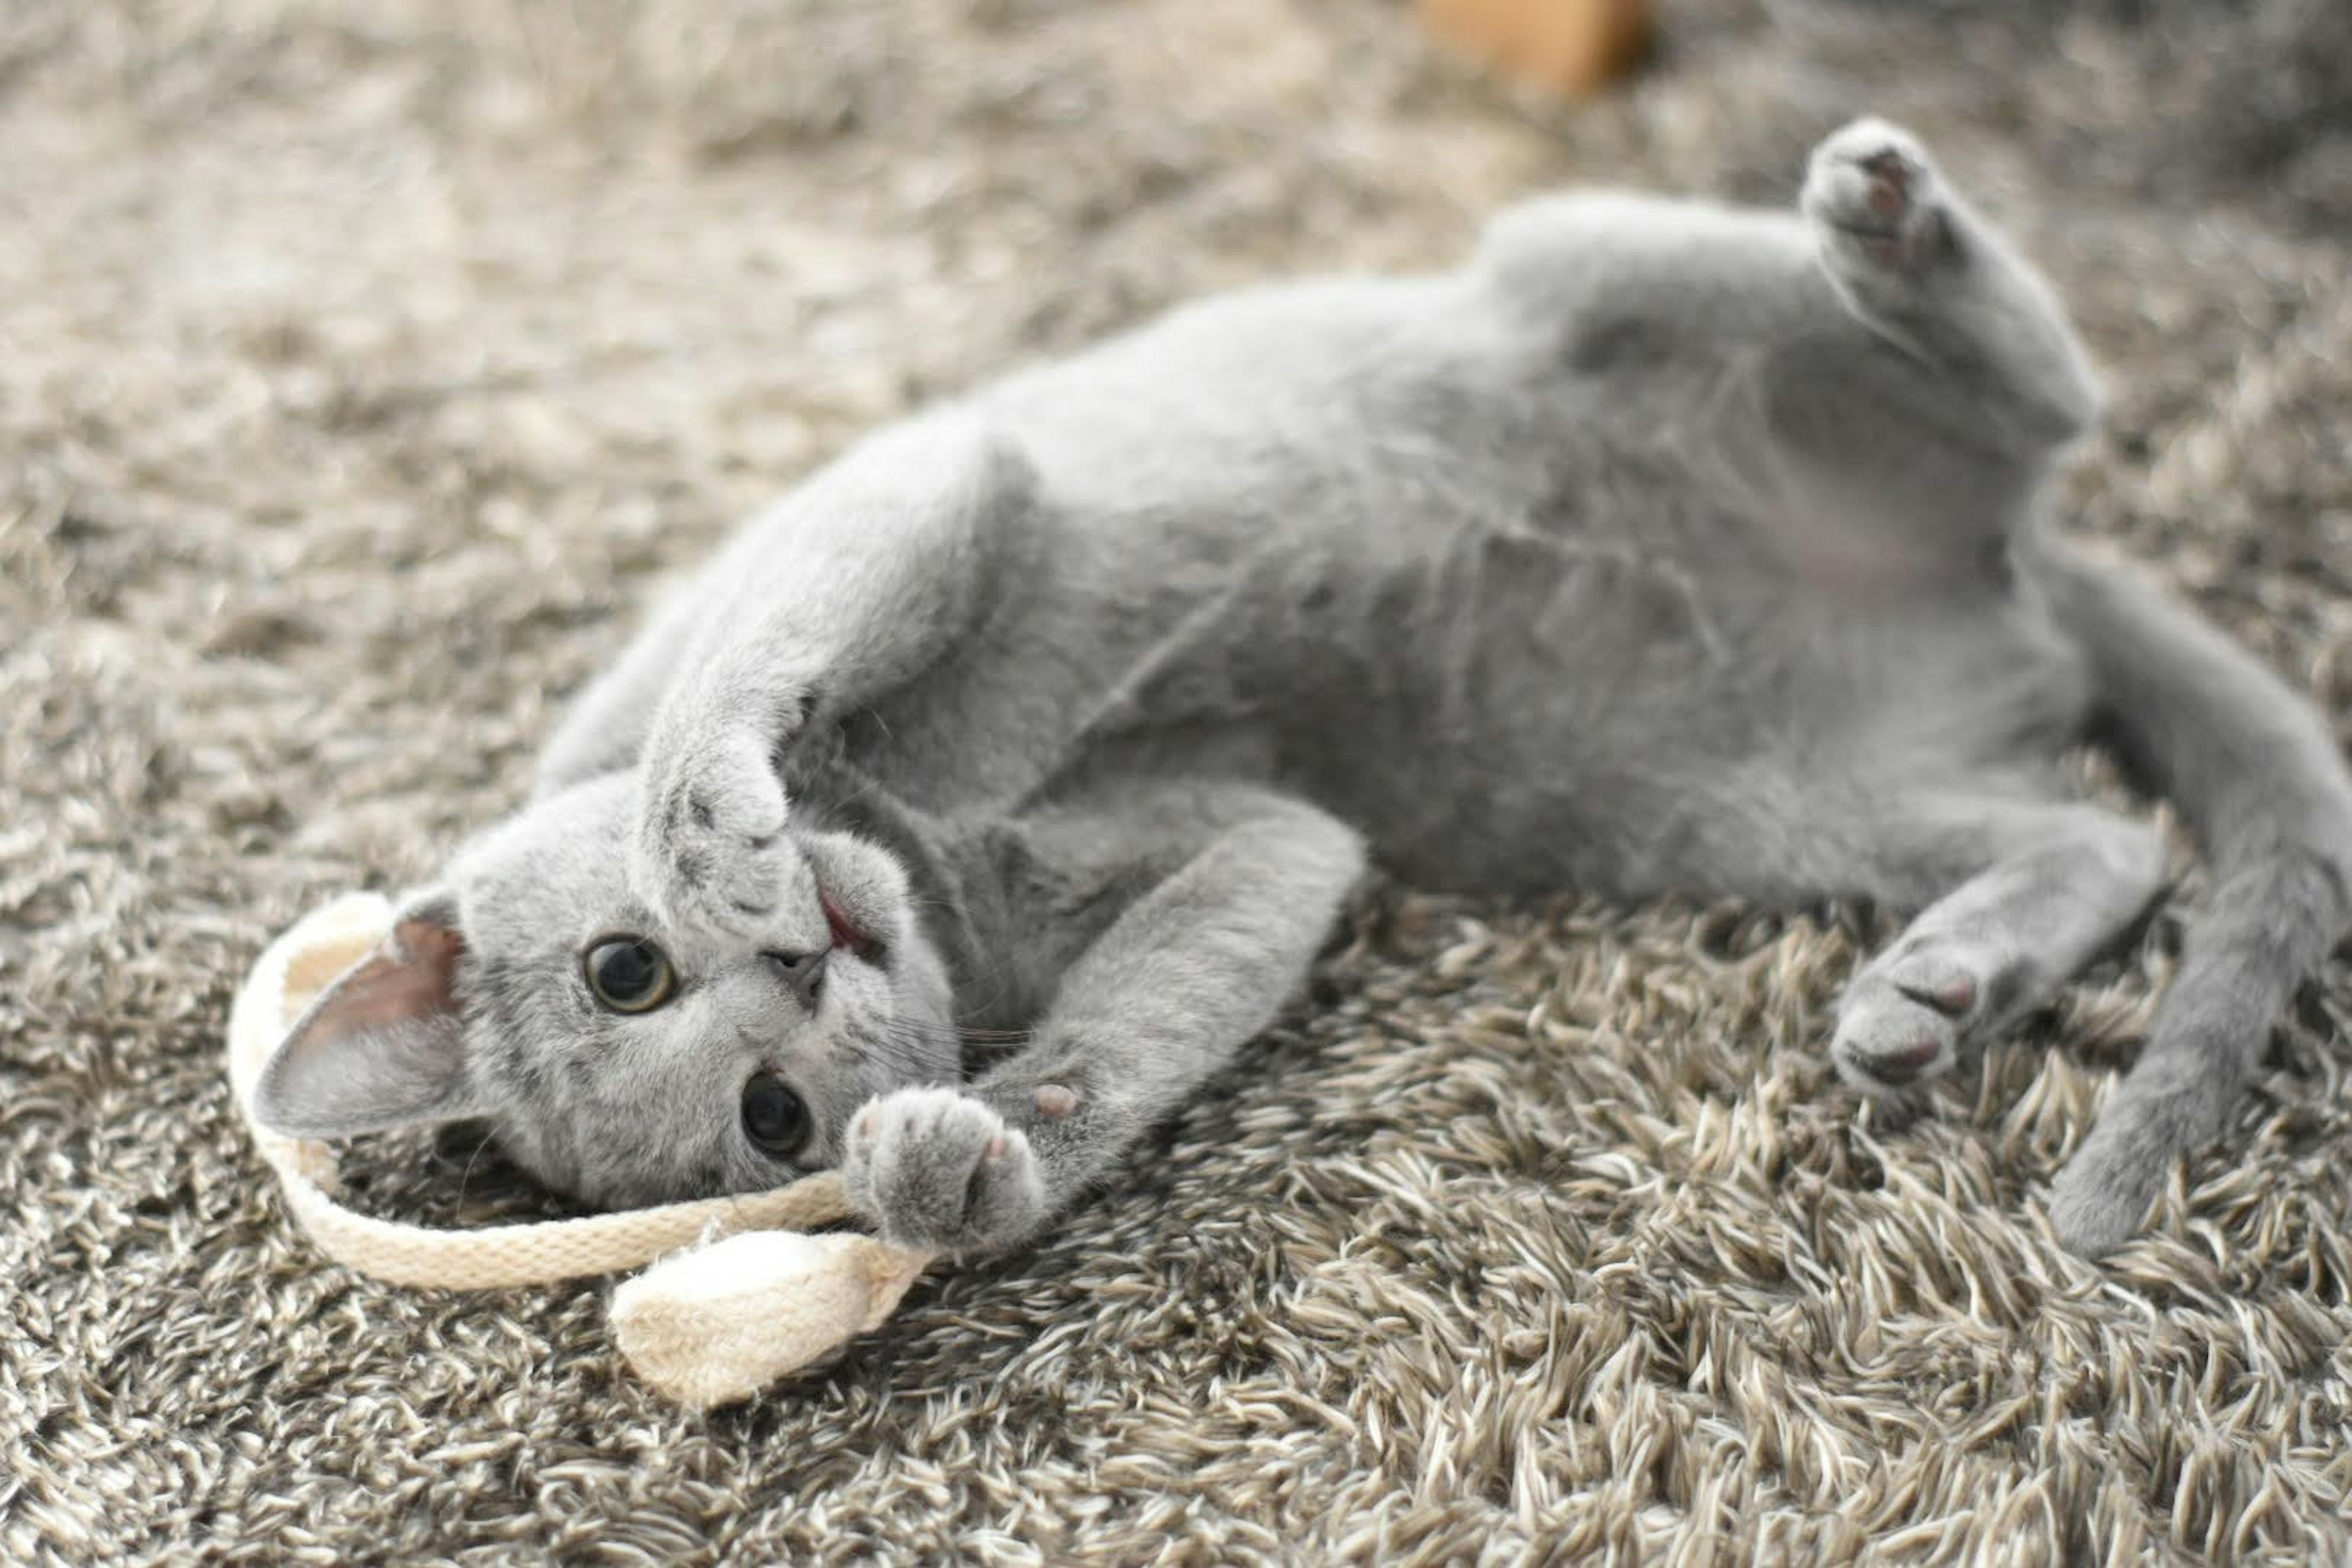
(393, 987)
(381, 1047)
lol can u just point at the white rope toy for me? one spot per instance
(715, 1323)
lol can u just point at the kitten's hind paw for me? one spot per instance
(1905, 1016)
(1877, 203)
(2103, 1195)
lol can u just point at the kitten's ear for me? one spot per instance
(384, 1046)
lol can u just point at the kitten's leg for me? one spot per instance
(853, 586)
(1923, 271)
(604, 729)
(1177, 983)
(2071, 881)
(2258, 777)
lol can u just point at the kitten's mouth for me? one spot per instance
(846, 933)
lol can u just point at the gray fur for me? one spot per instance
(1664, 548)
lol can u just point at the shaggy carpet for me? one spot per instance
(362, 366)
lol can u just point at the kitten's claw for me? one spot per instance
(1877, 202)
(1905, 1016)
(710, 852)
(934, 1168)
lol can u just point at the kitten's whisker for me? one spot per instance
(968, 1032)
(467, 1175)
(904, 1053)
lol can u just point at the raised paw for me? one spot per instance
(935, 1168)
(711, 851)
(1876, 201)
(1905, 1016)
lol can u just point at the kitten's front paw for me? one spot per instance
(711, 851)
(936, 1169)
(1876, 201)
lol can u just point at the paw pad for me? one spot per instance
(936, 1168)
(1954, 997)
(1871, 192)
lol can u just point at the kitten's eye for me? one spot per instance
(774, 1118)
(629, 974)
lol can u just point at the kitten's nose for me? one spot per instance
(803, 972)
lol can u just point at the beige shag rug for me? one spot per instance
(362, 366)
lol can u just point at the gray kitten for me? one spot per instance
(1664, 548)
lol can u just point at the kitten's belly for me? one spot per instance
(1500, 706)
(1622, 726)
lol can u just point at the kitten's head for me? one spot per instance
(618, 1060)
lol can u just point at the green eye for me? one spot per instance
(629, 974)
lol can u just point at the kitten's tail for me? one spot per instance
(2257, 777)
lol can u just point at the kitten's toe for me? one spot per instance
(1877, 203)
(938, 1170)
(1905, 1018)
(1889, 1042)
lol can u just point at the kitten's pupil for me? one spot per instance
(774, 1118)
(629, 974)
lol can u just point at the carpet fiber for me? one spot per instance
(363, 366)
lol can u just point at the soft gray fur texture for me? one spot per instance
(1666, 547)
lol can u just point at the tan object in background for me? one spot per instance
(1577, 46)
